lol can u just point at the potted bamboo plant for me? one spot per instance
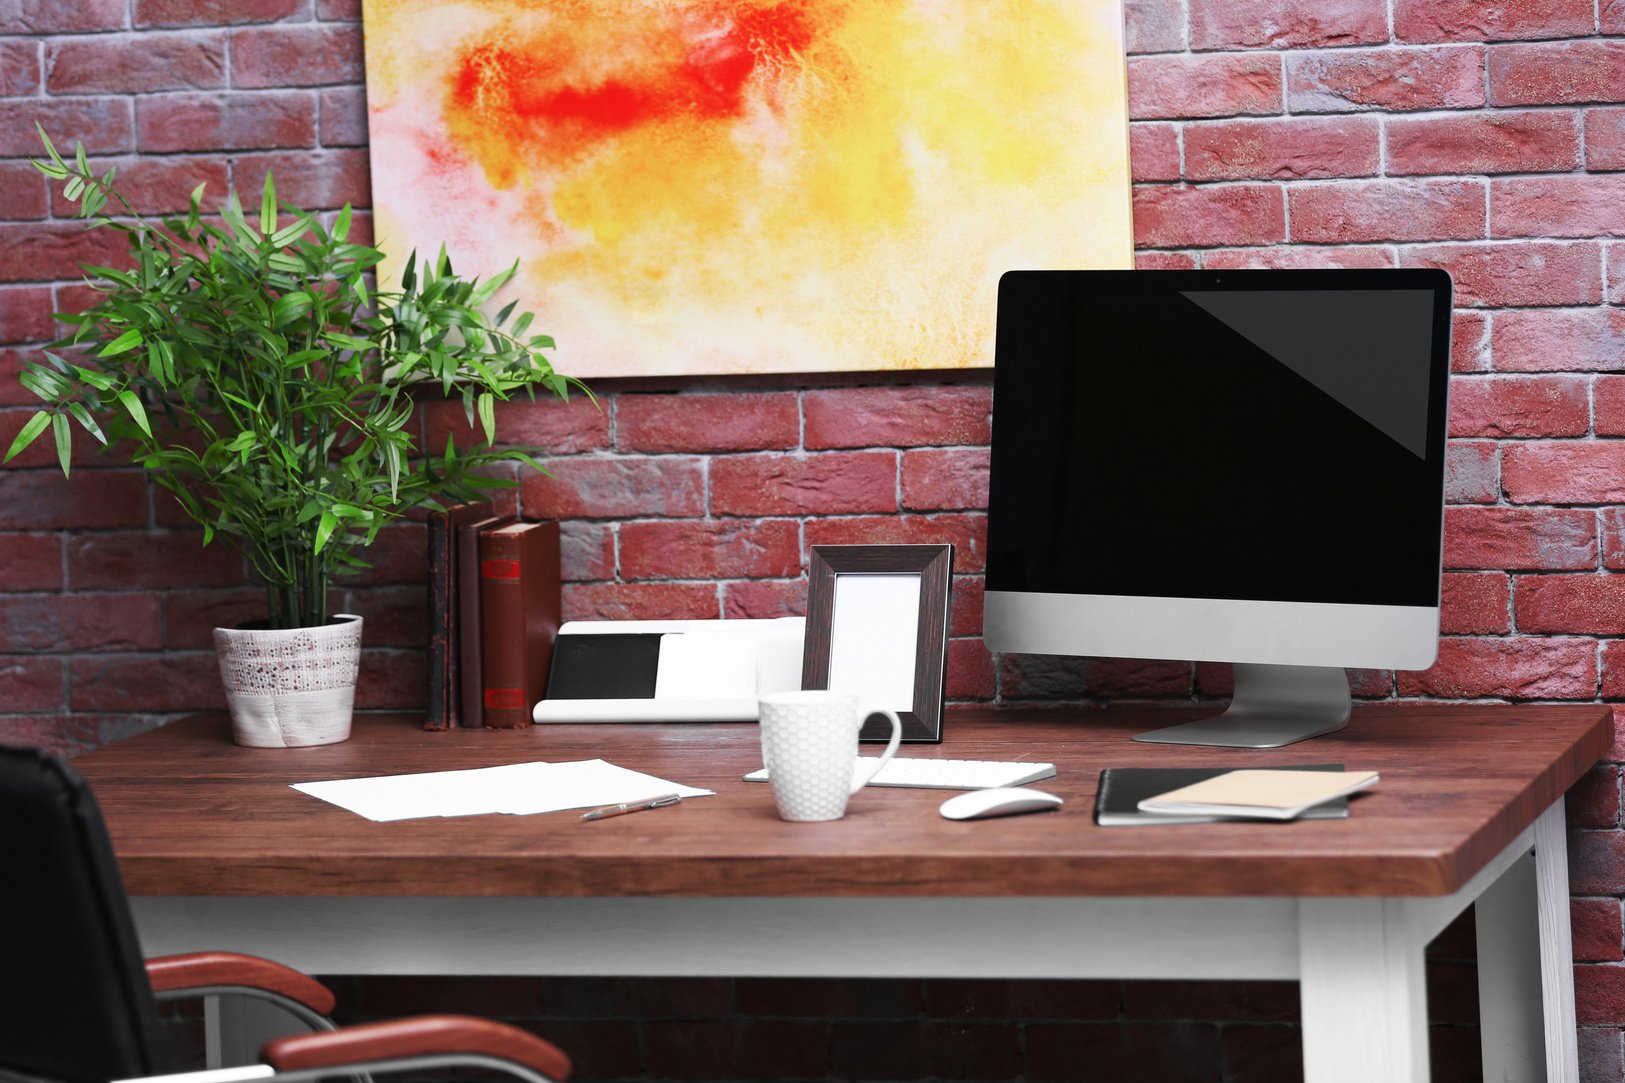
(251, 368)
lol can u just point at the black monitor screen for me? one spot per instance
(1263, 435)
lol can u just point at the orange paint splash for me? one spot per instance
(695, 67)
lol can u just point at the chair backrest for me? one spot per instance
(75, 1003)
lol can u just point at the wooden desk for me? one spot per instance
(219, 852)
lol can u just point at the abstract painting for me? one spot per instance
(749, 186)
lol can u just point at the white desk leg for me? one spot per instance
(1556, 945)
(1363, 990)
(1511, 1027)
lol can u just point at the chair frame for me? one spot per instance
(413, 1043)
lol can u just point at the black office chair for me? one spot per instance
(78, 1004)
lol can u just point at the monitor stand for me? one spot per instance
(1272, 706)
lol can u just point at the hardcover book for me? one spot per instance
(520, 611)
(469, 712)
(442, 694)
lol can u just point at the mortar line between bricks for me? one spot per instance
(1607, 286)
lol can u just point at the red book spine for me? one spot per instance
(519, 619)
(470, 666)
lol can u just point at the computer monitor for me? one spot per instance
(1234, 466)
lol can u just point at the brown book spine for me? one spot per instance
(441, 640)
(519, 618)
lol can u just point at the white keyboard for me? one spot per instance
(946, 774)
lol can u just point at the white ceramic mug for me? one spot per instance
(810, 748)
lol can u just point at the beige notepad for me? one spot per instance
(1270, 795)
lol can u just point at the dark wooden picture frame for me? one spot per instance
(933, 564)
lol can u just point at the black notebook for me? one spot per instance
(1117, 803)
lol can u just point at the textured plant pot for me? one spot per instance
(290, 687)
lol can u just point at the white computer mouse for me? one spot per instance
(1000, 801)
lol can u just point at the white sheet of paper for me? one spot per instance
(431, 793)
(520, 787)
(588, 784)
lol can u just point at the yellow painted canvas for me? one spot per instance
(749, 186)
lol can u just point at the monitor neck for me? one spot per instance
(1273, 706)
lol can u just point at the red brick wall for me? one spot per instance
(1481, 137)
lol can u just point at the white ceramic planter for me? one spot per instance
(289, 687)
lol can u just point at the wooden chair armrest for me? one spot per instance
(417, 1036)
(203, 969)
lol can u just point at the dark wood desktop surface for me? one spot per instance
(193, 814)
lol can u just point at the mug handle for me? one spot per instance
(891, 746)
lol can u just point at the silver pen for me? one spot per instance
(632, 806)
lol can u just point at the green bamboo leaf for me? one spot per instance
(127, 341)
(71, 190)
(341, 226)
(138, 413)
(268, 205)
(291, 232)
(488, 415)
(99, 380)
(109, 273)
(349, 342)
(324, 530)
(487, 289)
(301, 358)
(87, 422)
(392, 466)
(44, 383)
(530, 461)
(50, 148)
(64, 441)
(290, 306)
(244, 235)
(35, 426)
